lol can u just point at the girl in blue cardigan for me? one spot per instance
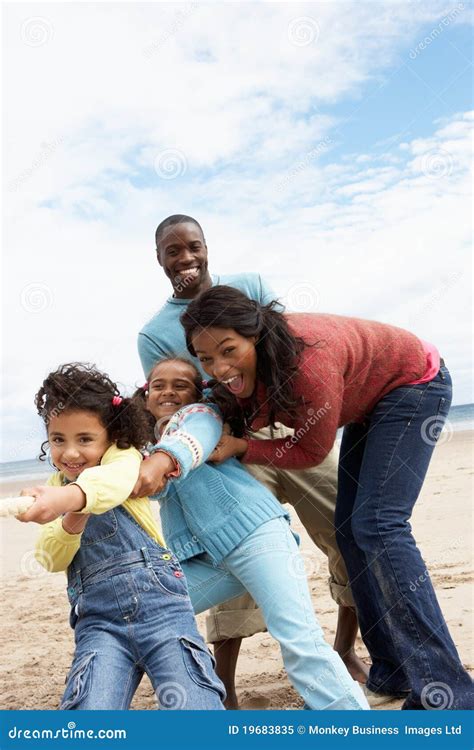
(231, 535)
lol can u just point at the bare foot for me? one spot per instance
(231, 702)
(226, 653)
(256, 703)
(357, 668)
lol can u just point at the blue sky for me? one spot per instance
(413, 93)
(325, 145)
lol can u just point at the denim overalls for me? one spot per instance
(131, 614)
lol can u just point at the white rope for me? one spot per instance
(14, 506)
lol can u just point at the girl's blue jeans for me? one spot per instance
(268, 565)
(382, 465)
(134, 616)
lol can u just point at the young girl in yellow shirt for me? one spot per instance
(130, 607)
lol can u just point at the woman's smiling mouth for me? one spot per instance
(235, 384)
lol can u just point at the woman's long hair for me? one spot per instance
(278, 351)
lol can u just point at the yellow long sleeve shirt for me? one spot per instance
(105, 487)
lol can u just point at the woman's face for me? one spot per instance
(228, 357)
(171, 386)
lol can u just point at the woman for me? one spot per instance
(392, 393)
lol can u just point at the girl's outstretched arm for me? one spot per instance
(51, 502)
(96, 490)
(108, 485)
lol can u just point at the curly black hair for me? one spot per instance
(79, 386)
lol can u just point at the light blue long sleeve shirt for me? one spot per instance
(209, 507)
(163, 335)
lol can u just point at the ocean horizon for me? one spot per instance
(461, 417)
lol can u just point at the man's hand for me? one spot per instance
(51, 502)
(227, 447)
(153, 474)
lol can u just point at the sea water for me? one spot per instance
(460, 417)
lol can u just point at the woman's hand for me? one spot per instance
(153, 474)
(51, 502)
(227, 447)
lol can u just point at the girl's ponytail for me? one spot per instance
(128, 423)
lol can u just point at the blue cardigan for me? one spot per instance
(209, 507)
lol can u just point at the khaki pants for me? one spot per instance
(312, 493)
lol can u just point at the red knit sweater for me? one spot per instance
(353, 365)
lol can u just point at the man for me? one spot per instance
(182, 253)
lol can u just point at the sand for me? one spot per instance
(36, 646)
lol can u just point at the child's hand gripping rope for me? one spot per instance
(47, 503)
(15, 506)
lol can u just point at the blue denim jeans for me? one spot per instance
(133, 616)
(268, 565)
(382, 466)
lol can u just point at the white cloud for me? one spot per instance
(89, 111)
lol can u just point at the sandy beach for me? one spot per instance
(37, 644)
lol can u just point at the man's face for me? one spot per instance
(182, 252)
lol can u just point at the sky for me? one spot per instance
(326, 146)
